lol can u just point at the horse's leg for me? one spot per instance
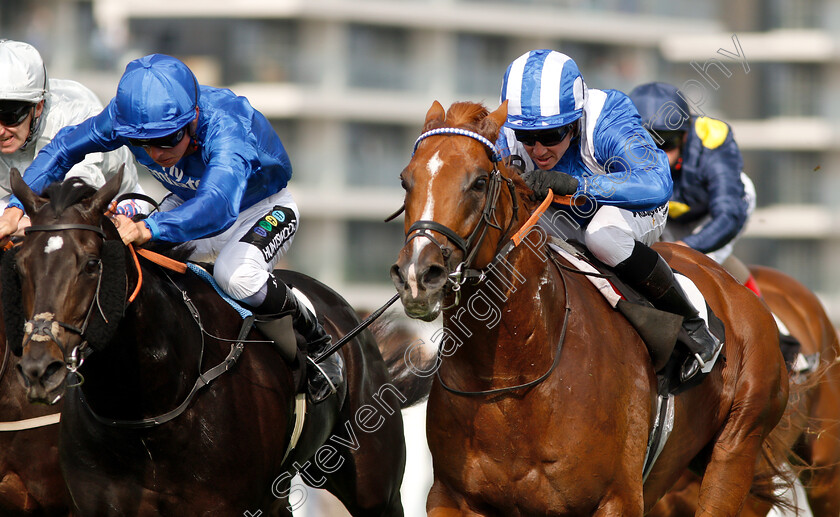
(729, 474)
(440, 503)
(368, 482)
(681, 500)
(13, 494)
(823, 483)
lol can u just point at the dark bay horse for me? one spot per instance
(31, 483)
(545, 396)
(811, 422)
(126, 447)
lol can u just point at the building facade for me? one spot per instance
(346, 83)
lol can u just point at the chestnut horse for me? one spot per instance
(139, 436)
(811, 422)
(545, 396)
(818, 440)
(31, 483)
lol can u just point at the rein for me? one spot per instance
(541, 378)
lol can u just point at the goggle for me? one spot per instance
(163, 142)
(547, 137)
(668, 140)
(13, 113)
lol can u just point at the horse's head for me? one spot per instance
(460, 201)
(60, 272)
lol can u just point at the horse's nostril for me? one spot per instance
(22, 376)
(434, 277)
(53, 368)
(396, 276)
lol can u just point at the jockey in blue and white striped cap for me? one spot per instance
(556, 99)
(590, 143)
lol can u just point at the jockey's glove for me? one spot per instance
(561, 183)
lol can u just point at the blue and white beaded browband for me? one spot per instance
(497, 156)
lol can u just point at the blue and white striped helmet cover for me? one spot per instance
(544, 89)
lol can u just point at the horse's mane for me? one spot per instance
(67, 193)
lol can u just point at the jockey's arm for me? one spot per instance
(727, 208)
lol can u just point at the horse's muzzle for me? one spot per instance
(421, 294)
(41, 374)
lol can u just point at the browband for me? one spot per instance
(63, 226)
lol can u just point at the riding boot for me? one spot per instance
(651, 276)
(327, 376)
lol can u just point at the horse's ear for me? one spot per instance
(497, 118)
(100, 201)
(434, 117)
(30, 200)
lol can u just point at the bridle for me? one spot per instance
(45, 327)
(469, 246)
(463, 271)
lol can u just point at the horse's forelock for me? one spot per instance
(466, 115)
(67, 193)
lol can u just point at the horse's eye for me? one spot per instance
(92, 266)
(480, 184)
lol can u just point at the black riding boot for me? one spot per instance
(325, 378)
(648, 273)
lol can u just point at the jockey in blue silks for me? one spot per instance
(712, 197)
(591, 144)
(227, 172)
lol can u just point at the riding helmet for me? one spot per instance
(662, 107)
(156, 96)
(544, 89)
(23, 76)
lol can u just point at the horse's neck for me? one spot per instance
(154, 350)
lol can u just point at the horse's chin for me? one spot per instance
(422, 309)
(43, 397)
(48, 392)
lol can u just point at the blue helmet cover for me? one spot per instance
(661, 106)
(544, 89)
(156, 96)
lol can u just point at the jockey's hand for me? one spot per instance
(131, 232)
(561, 183)
(12, 222)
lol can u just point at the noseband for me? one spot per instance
(469, 246)
(47, 329)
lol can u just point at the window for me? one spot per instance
(481, 64)
(377, 153)
(372, 248)
(378, 57)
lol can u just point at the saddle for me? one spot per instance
(659, 330)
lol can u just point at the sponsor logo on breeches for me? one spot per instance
(647, 213)
(271, 232)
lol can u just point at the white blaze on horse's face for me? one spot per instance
(433, 167)
(54, 243)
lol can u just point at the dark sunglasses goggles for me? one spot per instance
(13, 113)
(547, 137)
(163, 142)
